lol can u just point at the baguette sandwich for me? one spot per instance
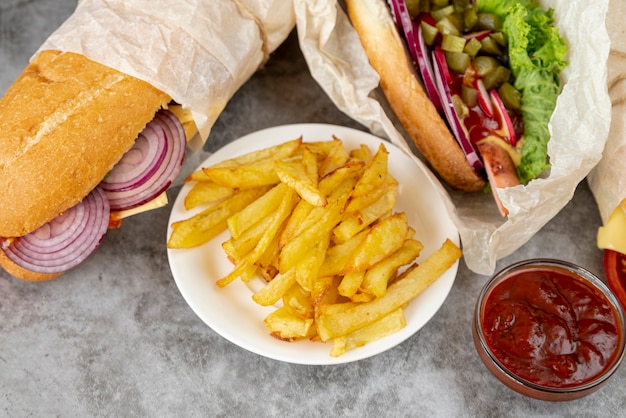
(81, 146)
(473, 82)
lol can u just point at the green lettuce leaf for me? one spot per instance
(537, 56)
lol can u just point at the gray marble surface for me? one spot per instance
(114, 337)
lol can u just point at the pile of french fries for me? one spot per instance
(316, 221)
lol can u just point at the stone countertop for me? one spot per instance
(114, 337)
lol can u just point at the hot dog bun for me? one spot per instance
(64, 123)
(388, 56)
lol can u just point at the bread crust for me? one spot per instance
(388, 55)
(64, 123)
(21, 273)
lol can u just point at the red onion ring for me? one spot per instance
(442, 80)
(65, 241)
(150, 166)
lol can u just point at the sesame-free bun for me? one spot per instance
(21, 273)
(388, 55)
(64, 123)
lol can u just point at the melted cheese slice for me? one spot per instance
(186, 119)
(612, 235)
(158, 202)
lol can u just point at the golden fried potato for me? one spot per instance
(318, 222)
(207, 224)
(398, 294)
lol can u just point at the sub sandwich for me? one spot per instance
(473, 82)
(81, 147)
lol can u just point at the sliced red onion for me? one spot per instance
(442, 80)
(480, 35)
(417, 48)
(426, 69)
(65, 241)
(484, 100)
(150, 166)
(502, 115)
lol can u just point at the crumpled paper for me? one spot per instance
(608, 180)
(579, 126)
(197, 51)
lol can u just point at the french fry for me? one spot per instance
(361, 219)
(237, 247)
(261, 208)
(277, 152)
(253, 169)
(363, 153)
(260, 173)
(287, 326)
(274, 290)
(338, 256)
(376, 279)
(399, 293)
(299, 301)
(350, 283)
(296, 248)
(205, 192)
(306, 215)
(321, 149)
(207, 224)
(337, 157)
(382, 240)
(387, 325)
(266, 240)
(308, 268)
(301, 175)
(197, 175)
(372, 184)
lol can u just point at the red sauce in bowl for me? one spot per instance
(551, 327)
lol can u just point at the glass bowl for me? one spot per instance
(549, 329)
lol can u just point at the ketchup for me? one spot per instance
(550, 328)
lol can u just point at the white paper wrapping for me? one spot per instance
(197, 51)
(579, 126)
(608, 179)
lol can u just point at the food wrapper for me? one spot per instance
(579, 125)
(197, 51)
(608, 179)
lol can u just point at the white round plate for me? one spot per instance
(233, 314)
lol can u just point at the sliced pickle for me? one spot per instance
(448, 26)
(472, 48)
(488, 21)
(490, 46)
(470, 17)
(439, 3)
(430, 33)
(510, 96)
(469, 95)
(459, 107)
(485, 64)
(458, 61)
(496, 78)
(453, 43)
(413, 7)
(443, 12)
(499, 38)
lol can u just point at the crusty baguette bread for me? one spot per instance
(64, 123)
(388, 56)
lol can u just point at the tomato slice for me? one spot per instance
(615, 270)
